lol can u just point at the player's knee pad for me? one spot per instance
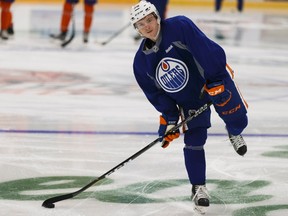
(195, 138)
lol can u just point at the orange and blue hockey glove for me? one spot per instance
(165, 126)
(219, 95)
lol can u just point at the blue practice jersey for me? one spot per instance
(161, 6)
(173, 71)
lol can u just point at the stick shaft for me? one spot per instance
(116, 34)
(73, 194)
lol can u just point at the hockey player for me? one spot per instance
(174, 65)
(66, 17)
(6, 19)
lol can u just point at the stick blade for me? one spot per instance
(48, 204)
(65, 43)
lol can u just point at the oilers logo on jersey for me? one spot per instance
(172, 74)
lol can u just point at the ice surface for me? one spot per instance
(77, 112)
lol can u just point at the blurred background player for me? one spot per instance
(161, 6)
(218, 5)
(6, 19)
(67, 14)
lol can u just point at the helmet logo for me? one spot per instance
(172, 74)
(142, 9)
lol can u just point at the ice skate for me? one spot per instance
(10, 30)
(4, 35)
(60, 36)
(238, 144)
(200, 197)
(85, 37)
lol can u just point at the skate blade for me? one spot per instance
(200, 210)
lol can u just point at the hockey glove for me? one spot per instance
(217, 92)
(165, 126)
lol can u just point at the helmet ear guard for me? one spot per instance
(141, 10)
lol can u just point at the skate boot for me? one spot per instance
(137, 37)
(85, 37)
(60, 36)
(10, 30)
(4, 35)
(238, 144)
(200, 197)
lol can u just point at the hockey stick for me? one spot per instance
(115, 34)
(65, 43)
(49, 203)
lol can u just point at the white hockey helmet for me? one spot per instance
(141, 10)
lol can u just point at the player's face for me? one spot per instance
(148, 27)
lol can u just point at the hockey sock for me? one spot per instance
(5, 15)
(9, 19)
(66, 16)
(195, 164)
(240, 5)
(194, 155)
(89, 9)
(218, 5)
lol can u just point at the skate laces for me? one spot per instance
(237, 141)
(200, 192)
